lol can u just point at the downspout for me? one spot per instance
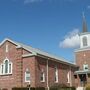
(47, 76)
(70, 77)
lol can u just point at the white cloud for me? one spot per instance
(32, 1)
(88, 6)
(71, 40)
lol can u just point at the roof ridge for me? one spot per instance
(37, 51)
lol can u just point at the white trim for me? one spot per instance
(7, 39)
(56, 74)
(38, 52)
(27, 71)
(11, 67)
(28, 55)
(84, 41)
(42, 74)
(47, 75)
(70, 77)
(82, 49)
(85, 66)
(0, 69)
(84, 33)
(3, 63)
(6, 48)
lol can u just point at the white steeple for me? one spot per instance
(85, 35)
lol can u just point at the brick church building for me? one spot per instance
(82, 75)
(22, 65)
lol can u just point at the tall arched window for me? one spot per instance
(27, 75)
(68, 77)
(42, 76)
(84, 41)
(56, 74)
(6, 66)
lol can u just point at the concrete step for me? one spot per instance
(80, 88)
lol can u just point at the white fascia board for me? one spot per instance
(28, 55)
(84, 33)
(33, 52)
(82, 49)
(58, 60)
(6, 39)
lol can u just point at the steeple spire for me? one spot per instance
(84, 24)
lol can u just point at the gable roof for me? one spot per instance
(38, 52)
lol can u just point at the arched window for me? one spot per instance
(68, 77)
(10, 67)
(84, 41)
(56, 74)
(42, 76)
(27, 75)
(85, 67)
(6, 66)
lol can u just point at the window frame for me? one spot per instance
(27, 71)
(84, 40)
(6, 64)
(42, 75)
(68, 77)
(56, 74)
(85, 65)
(6, 49)
(2, 70)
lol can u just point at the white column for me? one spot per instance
(70, 77)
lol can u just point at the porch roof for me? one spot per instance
(82, 72)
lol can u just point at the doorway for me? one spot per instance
(83, 79)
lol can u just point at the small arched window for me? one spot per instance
(56, 74)
(68, 77)
(42, 76)
(6, 66)
(27, 75)
(84, 41)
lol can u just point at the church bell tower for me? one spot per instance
(84, 36)
(83, 55)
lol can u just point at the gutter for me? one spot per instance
(60, 61)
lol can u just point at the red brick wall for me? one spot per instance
(26, 52)
(62, 71)
(40, 64)
(14, 56)
(35, 64)
(82, 57)
(29, 62)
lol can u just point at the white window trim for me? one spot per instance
(68, 77)
(43, 76)
(84, 65)
(11, 67)
(26, 76)
(56, 74)
(0, 69)
(6, 48)
(4, 67)
(84, 40)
